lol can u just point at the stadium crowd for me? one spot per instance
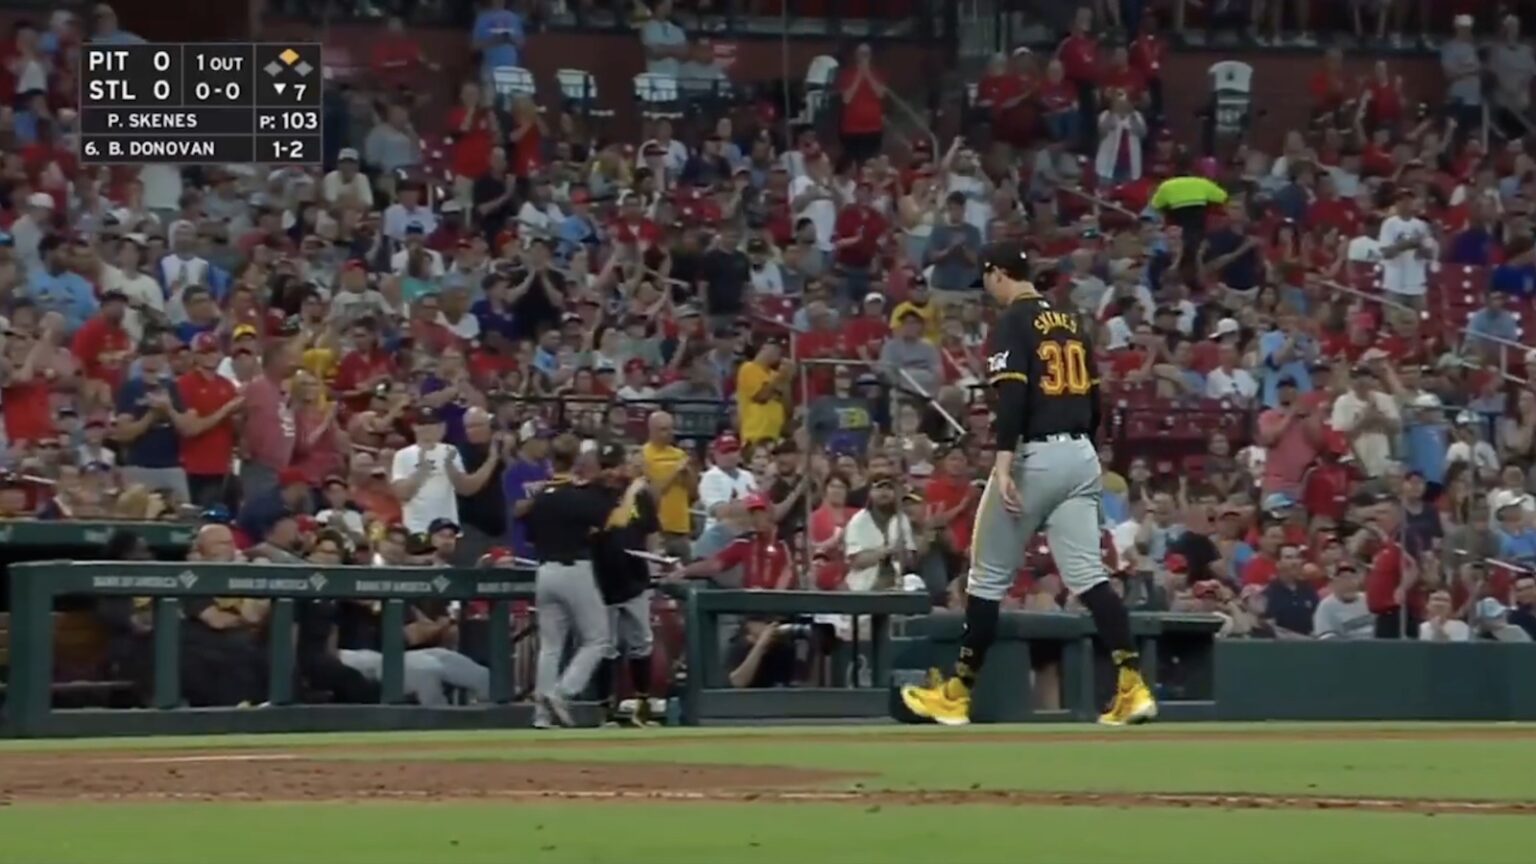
(1319, 423)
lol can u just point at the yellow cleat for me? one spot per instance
(943, 701)
(1133, 702)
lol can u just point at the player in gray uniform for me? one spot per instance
(564, 523)
(1046, 474)
(625, 580)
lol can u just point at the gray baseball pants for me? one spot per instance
(1059, 483)
(566, 598)
(630, 624)
(426, 671)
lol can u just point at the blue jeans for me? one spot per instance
(1064, 126)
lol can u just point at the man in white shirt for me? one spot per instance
(428, 477)
(1469, 446)
(347, 181)
(811, 197)
(878, 541)
(726, 481)
(1407, 247)
(767, 278)
(1228, 380)
(539, 216)
(1370, 420)
(408, 211)
(415, 246)
(182, 269)
(1438, 625)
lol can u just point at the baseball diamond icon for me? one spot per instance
(288, 58)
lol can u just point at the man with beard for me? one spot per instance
(625, 581)
(879, 541)
(788, 489)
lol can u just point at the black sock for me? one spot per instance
(980, 630)
(605, 681)
(1113, 623)
(640, 675)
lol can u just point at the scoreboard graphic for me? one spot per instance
(201, 104)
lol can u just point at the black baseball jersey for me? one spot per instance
(564, 519)
(1041, 367)
(621, 575)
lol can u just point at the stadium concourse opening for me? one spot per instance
(274, 416)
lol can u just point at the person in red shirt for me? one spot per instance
(863, 115)
(102, 346)
(473, 131)
(1120, 76)
(1059, 100)
(763, 557)
(1327, 86)
(208, 447)
(1261, 568)
(395, 58)
(999, 87)
(865, 333)
(952, 496)
(1392, 568)
(363, 368)
(1385, 102)
(26, 382)
(824, 340)
(857, 237)
(633, 227)
(1007, 92)
(1079, 50)
(525, 140)
(1329, 210)
(1325, 485)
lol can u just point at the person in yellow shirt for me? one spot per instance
(671, 479)
(922, 303)
(763, 388)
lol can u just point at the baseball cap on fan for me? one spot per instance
(1008, 257)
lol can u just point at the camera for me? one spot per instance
(802, 629)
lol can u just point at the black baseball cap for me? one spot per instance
(427, 416)
(419, 544)
(442, 523)
(612, 455)
(1009, 257)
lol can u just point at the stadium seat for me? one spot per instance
(819, 78)
(658, 95)
(1231, 97)
(511, 81)
(579, 87)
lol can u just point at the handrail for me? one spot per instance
(1461, 329)
(917, 120)
(1097, 201)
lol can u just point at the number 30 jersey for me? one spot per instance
(1049, 352)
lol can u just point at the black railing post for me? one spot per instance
(501, 651)
(167, 624)
(392, 646)
(280, 652)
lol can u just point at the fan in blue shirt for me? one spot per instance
(55, 288)
(498, 36)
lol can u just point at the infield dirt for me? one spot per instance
(307, 774)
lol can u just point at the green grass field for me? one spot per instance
(975, 795)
